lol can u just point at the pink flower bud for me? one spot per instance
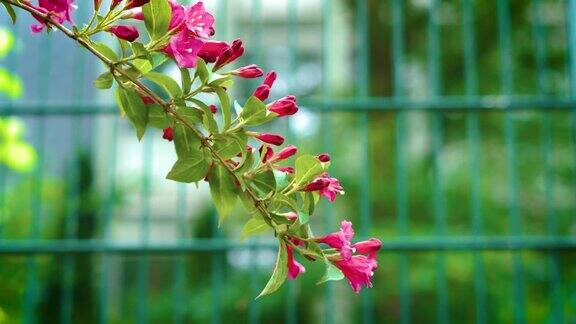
(270, 78)
(286, 169)
(213, 109)
(114, 3)
(168, 134)
(212, 50)
(128, 33)
(292, 216)
(317, 184)
(230, 55)
(370, 247)
(132, 3)
(286, 153)
(266, 152)
(324, 157)
(248, 72)
(262, 92)
(147, 100)
(294, 267)
(284, 107)
(269, 138)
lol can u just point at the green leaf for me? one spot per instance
(186, 80)
(253, 226)
(104, 81)
(10, 11)
(137, 112)
(226, 108)
(224, 190)
(308, 202)
(140, 50)
(167, 83)
(105, 50)
(247, 202)
(332, 273)
(157, 15)
(307, 168)
(280, 271)
(253, 112)
(281, 180)
(303, 218)
(202, 71)
(190, 114)
(157, 117)
(264, 182)
(192, 168)
(285, 201)
(185, 141)
(227, 146)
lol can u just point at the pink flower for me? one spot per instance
(269, 138)
(340, 240)
(327, 186)
(290, 170)
(129, 33)
(184, 48)
(133, 3)
(266, 152)
(178, 15)
(294, 267)
(59, 10)
(286, 153)
(211, 50)
(370, 247)
(248, 72)
(230, 54)
(263, 91)
(284, 106)
(359, 271)
(199, 21)
(324, 157)
(168, 134)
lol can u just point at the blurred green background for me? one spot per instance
(452, 126)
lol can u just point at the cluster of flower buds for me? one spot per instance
(283, 196)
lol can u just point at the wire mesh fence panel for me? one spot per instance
(451, 124)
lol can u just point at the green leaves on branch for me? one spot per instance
(280, 271)
(191, 168)
(157, 15)
(132, 105)
(255, 225)
(255, 113)
(224, 190)
(168, 84)
(308, 167)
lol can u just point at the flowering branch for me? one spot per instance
(276, 196)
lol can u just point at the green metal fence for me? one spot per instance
(451, 123)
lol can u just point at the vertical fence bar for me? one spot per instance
(32, 284)
(292, 35)
(473, 133)
(180, 260)
(546, 138)
(74, 197)
(435, 80)
(143, 272)
(403, 221)
(107, 218)
(363, 46)
(326, 120)
(571, 26)
(506, 77)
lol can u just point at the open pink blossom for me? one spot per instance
(294, 267)
(359, 271)
(59, 10)
(178, 15)
(184, 48)
(340, 240)
(199, 21)
(326, 186)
